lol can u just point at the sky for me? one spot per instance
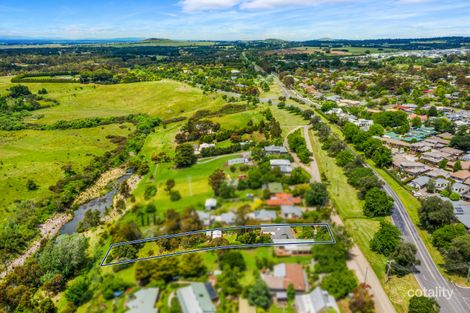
(233, 19)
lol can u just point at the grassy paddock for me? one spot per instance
(40, 155)
(165, 98)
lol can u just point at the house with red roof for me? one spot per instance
(282, 198)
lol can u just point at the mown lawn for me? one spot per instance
(40, 155)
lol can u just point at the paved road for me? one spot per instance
(358, 262)
(451, 298)
(429, 277)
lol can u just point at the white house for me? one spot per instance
(460, 188)
(283, 164)
(211, 204)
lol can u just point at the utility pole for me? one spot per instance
(389, 266)
(468, 272)
(365, 276)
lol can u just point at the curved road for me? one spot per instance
(451, 298)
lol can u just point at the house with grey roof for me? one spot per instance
(204, 217)
(441, 183)
(226, 218)
(283, 164)
(460, 188)
(238, 161)
(195, 298)
(143, 301)
(291, 211)
(278, 232)
(419, 182)
(438, 172)
(318, 301)
(275, 150)
(262, 215)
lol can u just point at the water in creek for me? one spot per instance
(100, 204)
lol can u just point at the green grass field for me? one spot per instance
(166, 99)
(39, 155)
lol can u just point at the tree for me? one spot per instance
(435, 213)
(231, 259)
(454, 196)
(161, 270)
(432, 111)
(192, 265)
(66, 255)
(423, 305)
(431, 186)
(229, 282)
(290, 292)
(344, 157)
(442, 237)
(216, 180)
(416, 122)
(404, 258)
(377, 203)
(91, 219)
(31, 185)
(170, 183)
(259, 294)
(458, 254)
(111, 284)
(184, 155)
(457, 166)
(339, 283)
(362, 301)
(316, 195)
(376, 130)
(175, 195)
(17, 91)
(386, 239)
(78, 292)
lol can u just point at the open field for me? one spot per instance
(40, 155)
(165, 99)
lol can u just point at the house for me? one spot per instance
(238, 161)
(283, 164)
(461, 175)
(196, 298)
(462, 213)
(318, 301)
(363, 124)
(216, 234)
(143, 301)
(278, 232)
(226, 218)
(204, 217)
(262, 215)
(291, 249)
(282, 198)
(290, 211)
(437, 172)
(423, 118)
(433, 156)
(460, 188)
(465, 165)
(419, 182)
(453, 154)
(465, 157)
(204, 146)
(282, 276)
(441, 183)
(211, 204)
(275, 150)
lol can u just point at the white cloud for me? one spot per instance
(203, 5)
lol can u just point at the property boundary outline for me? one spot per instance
(241, 246)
